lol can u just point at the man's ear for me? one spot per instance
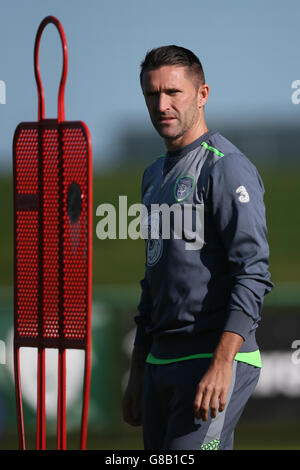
(203, 94)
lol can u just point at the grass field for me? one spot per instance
(122, 261)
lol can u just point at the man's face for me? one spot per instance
(172, 100)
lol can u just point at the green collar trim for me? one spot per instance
(208, 147)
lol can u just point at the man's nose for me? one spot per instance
(163, 103)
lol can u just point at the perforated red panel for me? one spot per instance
(27, 162)
(51, 171)
(51, 233)
(75, 240)
(27, 254)
(26, 183)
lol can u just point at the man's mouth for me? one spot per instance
(166, 119)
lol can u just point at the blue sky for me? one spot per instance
(249, 49)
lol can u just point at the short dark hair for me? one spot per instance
(173, 55)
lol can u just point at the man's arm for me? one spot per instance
(236, 195)
(132, 400)
(213, 388)
(236, 201)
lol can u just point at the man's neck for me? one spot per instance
(186, 139)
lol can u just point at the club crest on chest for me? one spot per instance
(183, 187)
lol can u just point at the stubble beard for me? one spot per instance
(183, 125)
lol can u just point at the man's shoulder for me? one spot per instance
(222, 145)
(227, 163)
(222, 149)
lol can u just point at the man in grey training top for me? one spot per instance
(195, 361)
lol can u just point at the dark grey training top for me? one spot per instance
(190, 297)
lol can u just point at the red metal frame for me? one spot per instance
(61, 94)
(52, 252)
